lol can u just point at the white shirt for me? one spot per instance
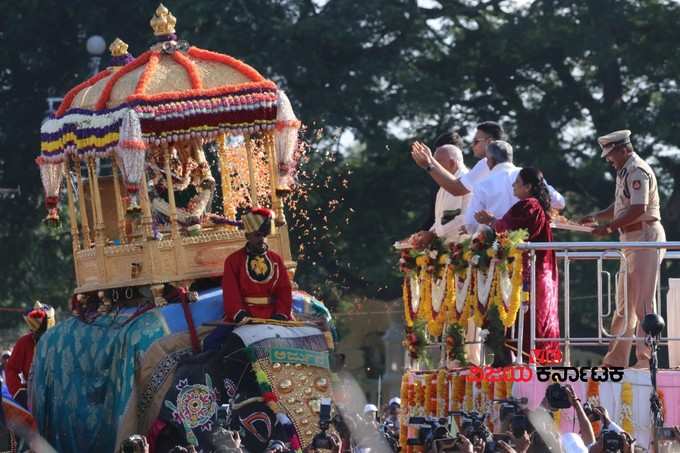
(478, 173)
(495, 194)
(446, 201)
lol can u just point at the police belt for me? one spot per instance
(636, 226)
(257, 300)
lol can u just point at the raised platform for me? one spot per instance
(612, 396)
(437, 392)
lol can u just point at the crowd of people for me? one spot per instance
(497, 194)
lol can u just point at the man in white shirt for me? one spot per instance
(486, 132)
(449, 210)
(494, 194)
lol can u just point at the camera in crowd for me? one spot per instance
(473, 428)
(557, 396)
(321, 439)
(426, 430)
(612, 441)
(590, 413)
(222, 437)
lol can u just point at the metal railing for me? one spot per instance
(599, 251)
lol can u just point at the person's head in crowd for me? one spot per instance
(394, 407)
(450, 157)
(178, 449)
(370, 412)
(498, 152)
(486, 132)
(4, 358)
(616, 148)
(448, 138)
(530, 183)
(135, 444)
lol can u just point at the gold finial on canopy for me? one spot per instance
(118, 48)
(163, 22)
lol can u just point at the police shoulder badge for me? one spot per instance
(636, 185)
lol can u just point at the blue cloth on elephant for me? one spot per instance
(83, 372)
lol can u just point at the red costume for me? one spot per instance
(257, 284)
(20, 362)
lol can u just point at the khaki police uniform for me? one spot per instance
(636, 185)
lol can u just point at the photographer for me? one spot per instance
(335, 444)
(612, 438)
(585, 427)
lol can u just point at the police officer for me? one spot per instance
(635, 215)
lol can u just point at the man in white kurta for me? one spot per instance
(449, 157)
(494, 193)
(452, 157)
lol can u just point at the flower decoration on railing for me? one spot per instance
(416, 340)
(447, 284)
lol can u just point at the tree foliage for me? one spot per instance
(556, 73)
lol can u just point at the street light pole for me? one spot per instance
(96, 46)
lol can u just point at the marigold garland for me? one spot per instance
(442, 394)
(174, 96)
(73, 92)
(425, 305)
(420, 393)
(190, 68)
(106, 92)
(593, 398)
(468, 400)
(627, 408)
(557, 420)
(429, 394)
(149, 70)
(436, 324)
(509, 315)
(403, 426)
(662, 398)
(248, 71)
(406, 297)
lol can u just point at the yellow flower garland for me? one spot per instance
(403, 420)
(406, 296)
(435, 325)
(509, 315)
(468, 401)
(557, 420)
(442, 394)
(627, 408)
(593, 397)
(448, 313)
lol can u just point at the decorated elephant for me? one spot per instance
(95, 383)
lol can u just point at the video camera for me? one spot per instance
(590, 412)
(557, 396)
(512, 415)
(426, 430)
(322, 440)
(472, 426)
(612, 441)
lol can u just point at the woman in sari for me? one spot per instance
(532, 213)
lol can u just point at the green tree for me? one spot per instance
(556, 73)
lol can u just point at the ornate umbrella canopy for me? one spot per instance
(176, 92)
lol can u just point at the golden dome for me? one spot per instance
(163, 22)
